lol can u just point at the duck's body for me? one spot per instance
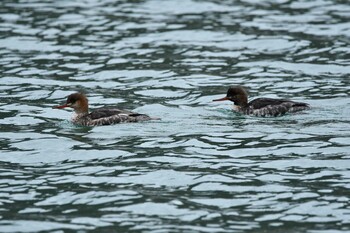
(108, 116)
(266, 107)
(101, 116)
(262, 107)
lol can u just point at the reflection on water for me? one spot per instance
(202, 168)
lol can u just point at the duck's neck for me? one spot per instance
(82, 110)
(242, 102)
(80, 114)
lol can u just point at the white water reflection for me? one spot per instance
(201, 168)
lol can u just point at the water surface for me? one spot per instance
(202, 168)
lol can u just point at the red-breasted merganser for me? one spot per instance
(263, 107)
(101, 116)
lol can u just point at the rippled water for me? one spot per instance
(202, 168)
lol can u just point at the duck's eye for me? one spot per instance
(74, 101)
(71, 101)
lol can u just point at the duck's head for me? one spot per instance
(77, 101)
(237, 94)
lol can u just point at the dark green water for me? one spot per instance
(201, 168)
